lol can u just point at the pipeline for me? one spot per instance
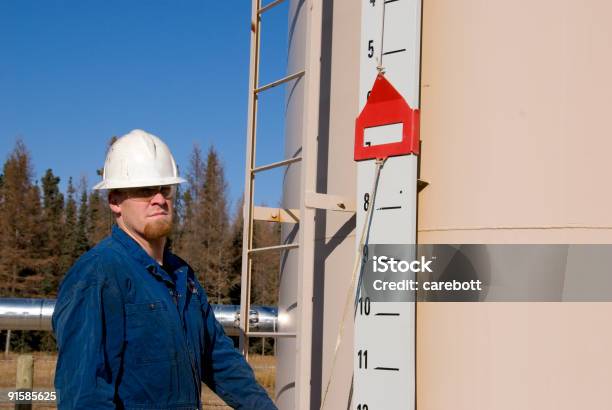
(35, 314)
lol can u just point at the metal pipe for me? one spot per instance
(35, 314)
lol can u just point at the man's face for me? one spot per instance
(146, 212)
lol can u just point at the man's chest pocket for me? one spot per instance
(149, 333)
(194, 321)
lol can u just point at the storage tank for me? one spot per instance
(515, 146)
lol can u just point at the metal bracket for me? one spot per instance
(262, 213)
(421, 185)
(329, 202)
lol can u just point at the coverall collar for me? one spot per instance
(142, 257)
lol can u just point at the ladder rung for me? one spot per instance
(270, 334)
(274, 248)
(281, 81)
(269, 6)
(276, 164)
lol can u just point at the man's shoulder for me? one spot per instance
(94, 265)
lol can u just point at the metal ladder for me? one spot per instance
(304, 216)
(309, 202)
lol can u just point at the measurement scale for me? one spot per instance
(384, 338)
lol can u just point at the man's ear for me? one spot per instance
(115, 198)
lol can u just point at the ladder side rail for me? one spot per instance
(249, 183)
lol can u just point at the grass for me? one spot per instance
(44, 372)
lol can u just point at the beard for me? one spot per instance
(157, 229)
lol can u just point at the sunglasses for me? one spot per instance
(145, 194)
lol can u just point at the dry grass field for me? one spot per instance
(44, 371)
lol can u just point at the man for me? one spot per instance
(134, 327)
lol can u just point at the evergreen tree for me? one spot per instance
(189, 242)
(196, 173)
(99, 220)
(214, 232)
(177, 218)
(234, 255)
(204, 234)
(99, 217)
(19, 224)
(39, 263)
(69, 246)
(52, 235)
(81, 241)
(53, 209)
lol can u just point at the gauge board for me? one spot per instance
(384, 338)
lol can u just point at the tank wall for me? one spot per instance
(288, 283)
(515, 130)
(334, 231)
(514, 106)
(515, 100)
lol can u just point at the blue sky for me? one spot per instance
(74, 73)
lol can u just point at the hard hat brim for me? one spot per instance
(105, 185)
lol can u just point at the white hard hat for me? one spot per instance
(138, 159)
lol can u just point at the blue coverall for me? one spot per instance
(134, 335)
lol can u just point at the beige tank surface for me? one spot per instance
(516, 99)
(334, 245)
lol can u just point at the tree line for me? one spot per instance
(45, 230)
